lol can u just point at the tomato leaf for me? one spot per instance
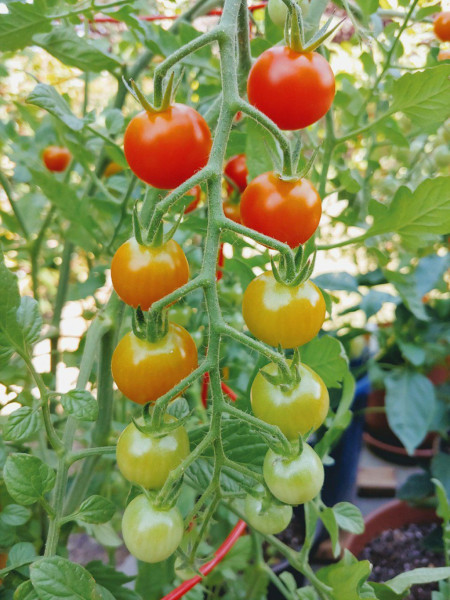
(404, 581)
(410, 404)
(46, 97)
(21, 23)
(81, 404)
(346, 577)
(96, 509)
(25, 591)
(15, 515)
(22, 424)
(326, 356)
(27, 478)
(57, 577)
(348, 517)
(415, 216)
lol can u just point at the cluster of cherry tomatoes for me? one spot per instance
(441, 28)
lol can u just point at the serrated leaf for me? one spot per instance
(414, 215)
(46, 97)
(179, 408)
(14, 515)
(57, 577)
(21, 425)
(404, 581)
(65, 45)
(326, 356)
(337, 281)
(112, 580)
(29, 319)
(27, 478)
(443, 509)
(80, 404)
(410, 403)
(96, 509)
(346, 579)
(20, 24)
(25, 591)
(423, 96)
(349, 517)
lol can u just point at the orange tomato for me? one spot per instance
(56, 158)
(441, 26)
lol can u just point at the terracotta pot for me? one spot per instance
(392, 515)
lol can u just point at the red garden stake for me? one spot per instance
(220, 553)
(220, 263)
(205, 386)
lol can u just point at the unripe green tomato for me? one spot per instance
(278, 10)
(296, 411)
(183, 571)
(294, 480)
(442, 156)
(151, 534)
(147, 460)
(271, 519)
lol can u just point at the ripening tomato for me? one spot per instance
(294, 480)
(166, 148)
(271, 519)
(236, 170)
(144, 371)
(232, 210)
(293, 89)
(151, 534)
(146, 459)
(196, 193)
(56, 158)
(112, 169)
(295, 411)
(143, 274)
(284, 315)
(442, 26)
(443, 55)
(288, 211)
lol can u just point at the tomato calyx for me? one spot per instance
(167, 98)
(287, 377)
(294, 32)
(152, 328)
(294, 273)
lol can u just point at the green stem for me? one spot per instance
(123, 211)
(61, 294)
(356, 240)
(17, 213)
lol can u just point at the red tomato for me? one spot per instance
(56, 158)
(166, 148)
(443, 55)
(144, 371)
(143, 274)
(232, 210)
(236, 170)
(196, 192)
(293, 89)
(112, 169)
(288, 211)
(442, 26)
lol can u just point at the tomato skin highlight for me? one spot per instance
(56, 158)
(149, 533)
(232, 211)
(166, 148)
(147, 460)
(144, 371)
(142, 275)
(293, 89)
(441, 26)
(296, 411)
(288, 211)
(270, 521)
(279, 314)
(197, 193)
(236, 170)
(112, 169)
(294, 481)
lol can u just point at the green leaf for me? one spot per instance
(404, 581)
(443, 509)
(27, 478)
(96, 509)
(346, 577)
(179, 408)
(423, 95)
(112, 580)
(326, 356)
(57, 577)
(80, 404)
(15, 515)
(349, 517)
(337, 281)
(260, 148)
(329, 520)
(65, 45)
(414, 215)
(46, 97)
(417, 487)
(410, 404)
(11, 335)
(21, 425)
(20, 24)
(440, 468)
(29, 319)
(25, 591)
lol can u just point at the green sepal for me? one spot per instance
(309, 165)
(138, 323)
(137, 227)
(322, 35)
(157, 325)
(296, 39)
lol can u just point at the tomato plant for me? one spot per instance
(150, 533)
(288, 211)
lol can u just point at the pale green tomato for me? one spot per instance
(294, 480)
(149, 533)
(183, 571)
(268, 520)
(146, 459)
(296, 411)
(278, 10)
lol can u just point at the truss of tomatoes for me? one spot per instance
(164, 149)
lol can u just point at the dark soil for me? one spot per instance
(293, 536)
(398, 550)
